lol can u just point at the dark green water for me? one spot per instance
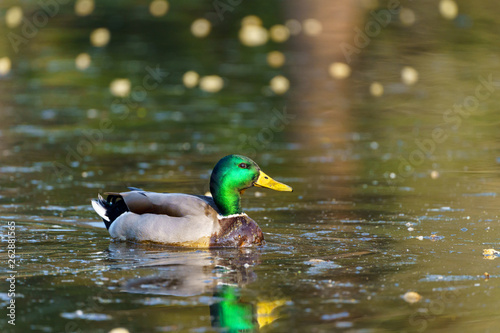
(392, 194)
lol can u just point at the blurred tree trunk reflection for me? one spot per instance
(321, 102)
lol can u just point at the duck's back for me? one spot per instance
(171, 204)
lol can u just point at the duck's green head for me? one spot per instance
(231, 176)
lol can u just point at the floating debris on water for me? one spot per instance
(434, 237)
(491, 254)
(412, 297)
(315, 261)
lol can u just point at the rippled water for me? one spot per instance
(392, 194)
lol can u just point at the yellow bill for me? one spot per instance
(267, 182)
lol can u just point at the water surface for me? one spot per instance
(380, 207)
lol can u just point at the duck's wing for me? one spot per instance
(171, 204)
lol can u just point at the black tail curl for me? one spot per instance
(115, 206)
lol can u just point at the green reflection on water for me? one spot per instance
(231, 314)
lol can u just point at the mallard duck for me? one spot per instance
(191, 220)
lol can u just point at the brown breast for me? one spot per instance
(237, 231)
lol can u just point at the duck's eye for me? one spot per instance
(243, 165)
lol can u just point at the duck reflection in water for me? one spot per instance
(178, 272)
(235, 315)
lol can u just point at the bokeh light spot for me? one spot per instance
(407, 16)
(190, 79)
(100, 37)
(83, 61)
(158, 7)
(5, 66)
(293, 26)
(279, 84)
(201, 27)
(409, 75)
(251, 20)
(120, 87)
(448, 9)
(84, 7)
(339, 70)
(376, 89)
(275, 59)
(13, 16)
(312, 27)
(279, 33)
(211, 83)
(253, 35)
